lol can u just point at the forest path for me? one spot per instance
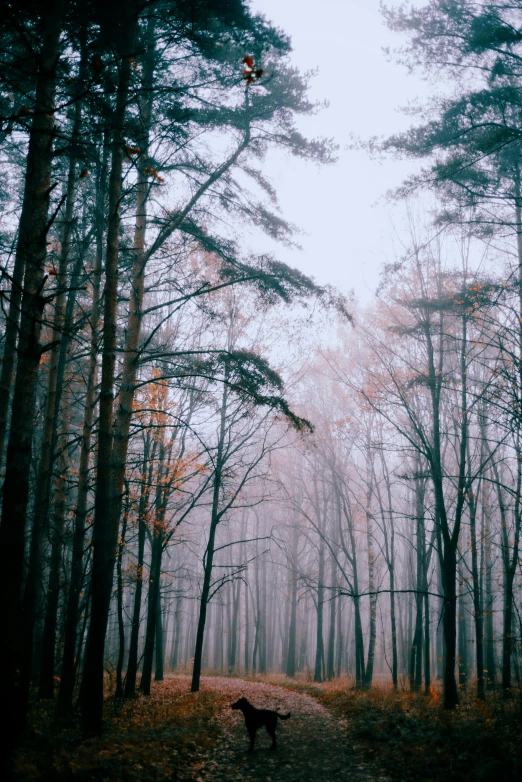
(311, 745)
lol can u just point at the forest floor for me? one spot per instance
(311, 745)
(334, 734)
(411, 738)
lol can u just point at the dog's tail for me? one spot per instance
(284, 716)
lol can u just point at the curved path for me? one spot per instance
(311, 746)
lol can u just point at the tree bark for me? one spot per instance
(368, 674)
(125, 399)
(319, 646)
(451, 697)
(177, 634)
(292, 632)
(247, 631)
(30, 255)
(462, 635)
(119, 601)
(160, 652)
(488, 590)
(158, 541)
(209, 553)
(448, 539)
(330, 658)
(477, 597)
(146, 481)
(9, 354)
(233, 627)
(46, 688)
(69, 667)
(416, 647)
(105, 527)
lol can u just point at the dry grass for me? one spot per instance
(156, 738)
(173, 734)
(411, 737)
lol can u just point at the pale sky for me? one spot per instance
(350, 230)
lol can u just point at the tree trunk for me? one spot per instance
(330, 661)
(292, 632)
(158, 542)
(368, 675)
(462, 635)
(449, 572)
(393, 623)
(215, 615)
(208, 560)
(177, 634)
(439, 641)
(507, 632)
(510, 561)
(55, 381)
(68, 673)
(427, 654)
(9, 354)
(146, 480)
(125, 399)
(119, 601)
(359, 646)
(160, 651)
(152, 610)
(477, 597)
(247, 631)
(46, 688)
(270, 641)
(389, 551)
(340, 640)
(303, 648)
(233, 628)
(319, 643)
(257, 615)
(30, 255)
(358, 631)
(488, 590)
(105, 527)
(416, 647)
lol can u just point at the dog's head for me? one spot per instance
(240, 704)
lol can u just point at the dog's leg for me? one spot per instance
(272, 733)
(252, 734)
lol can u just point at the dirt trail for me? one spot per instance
(311, 746)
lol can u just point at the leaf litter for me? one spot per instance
(178, 736)
(311, 745)
(335, 734)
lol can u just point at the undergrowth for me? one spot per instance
(411, 737)
(160, 737)
(404, 737)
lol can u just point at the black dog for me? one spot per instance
(256, 718)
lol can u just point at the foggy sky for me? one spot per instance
(350, 230)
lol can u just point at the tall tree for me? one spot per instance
(31, 254)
